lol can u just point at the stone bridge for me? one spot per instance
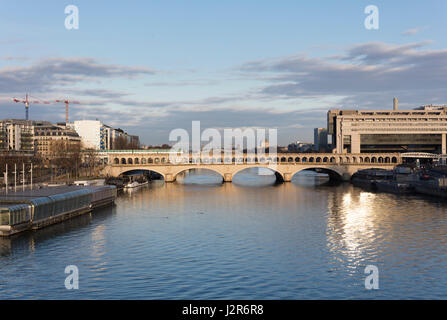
(285, 165)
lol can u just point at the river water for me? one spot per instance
(250, 239)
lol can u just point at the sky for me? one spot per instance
(149, 67)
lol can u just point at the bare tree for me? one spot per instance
(66, 155)
(90, 159)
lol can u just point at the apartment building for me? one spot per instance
(16, 135)
(47, 133)
(96, 135)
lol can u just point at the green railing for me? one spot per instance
(136, 151)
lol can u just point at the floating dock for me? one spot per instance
(35, 209)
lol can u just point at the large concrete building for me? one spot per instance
(364, 131)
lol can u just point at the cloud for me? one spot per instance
(194, 82)
(154, 126)
(291, 125)
(375, 71)
(411, 32)
(14, 58)
(47, 74)
(273, 92)
(100, 93)
(378, 52)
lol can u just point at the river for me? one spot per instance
(250, 239)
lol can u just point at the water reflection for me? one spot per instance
(199, 177)
(351, 226)
(28, 241)
(255, 177)
(403, 235)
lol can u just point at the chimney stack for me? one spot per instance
(395, 104)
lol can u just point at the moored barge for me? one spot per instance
(35, 209)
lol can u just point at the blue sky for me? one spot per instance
(153, 66)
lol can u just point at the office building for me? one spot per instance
(420, 130)
(320, 139)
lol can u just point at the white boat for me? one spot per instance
(96, 182)
(134, 184)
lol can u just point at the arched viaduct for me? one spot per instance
(285, 165)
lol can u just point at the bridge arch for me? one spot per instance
(128, 170)
(176, 173)
(278, 174)
(334, 174)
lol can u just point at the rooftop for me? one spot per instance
(44, 192)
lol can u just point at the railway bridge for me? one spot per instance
(284, 165)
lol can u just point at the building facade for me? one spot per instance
(16, 135)
(47, 134)
(419, 130)
(92, 132)
(96, 135)
(320, 139)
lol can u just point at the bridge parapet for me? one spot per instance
(134, 158)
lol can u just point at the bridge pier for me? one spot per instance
(228, 177)
(169, 177)
(287, 177)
